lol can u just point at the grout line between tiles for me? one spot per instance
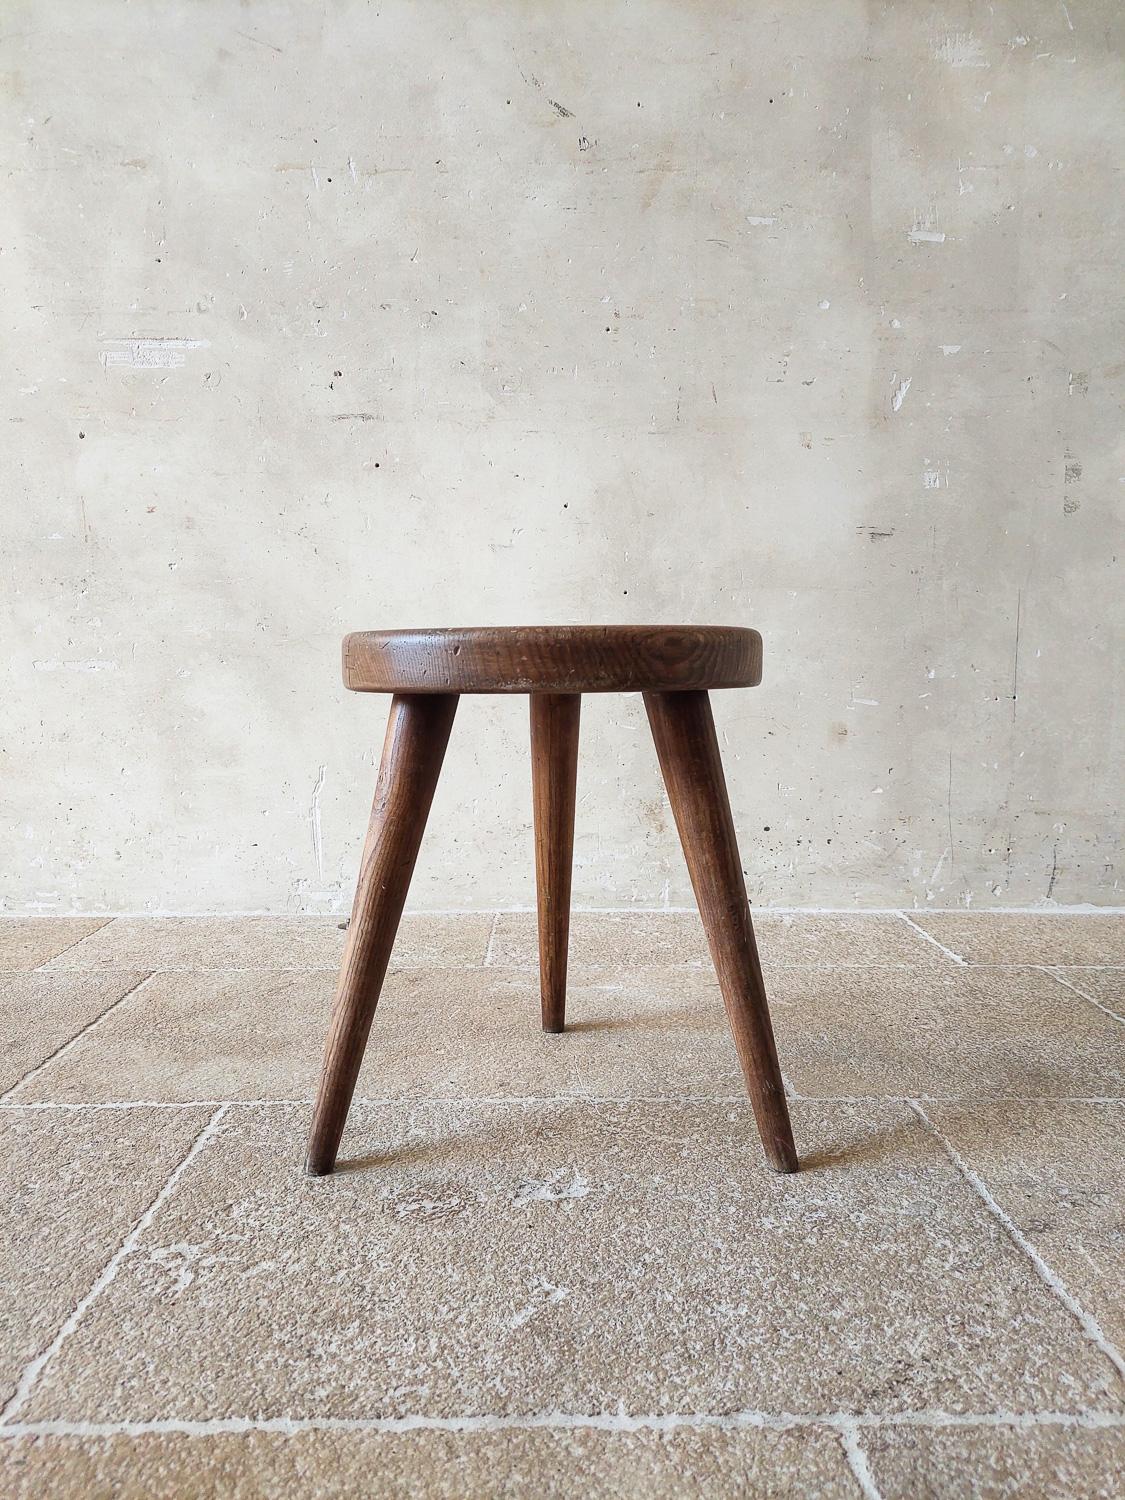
(75, 944)
(1086, 1320)
(294, 1100)
(64, 1047)
(491, 939)
(857, 1462)
(921, 931)
(559, 1421)
(35, 1367)
(1076, 910)
(1081, 993)
(581, 970)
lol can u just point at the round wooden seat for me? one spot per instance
(553, 659)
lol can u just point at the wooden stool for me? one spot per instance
(426, 670)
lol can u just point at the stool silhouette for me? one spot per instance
(675, 667)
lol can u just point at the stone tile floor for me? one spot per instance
(557, 1265)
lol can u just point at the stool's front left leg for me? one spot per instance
(686, 744)
(414, 748)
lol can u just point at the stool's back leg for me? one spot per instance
(414, 748)
(554, 774)
(684, 731)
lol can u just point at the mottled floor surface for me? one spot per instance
(557, 1265)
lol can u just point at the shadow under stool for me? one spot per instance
(674, 667)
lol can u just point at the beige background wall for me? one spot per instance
(326, 316)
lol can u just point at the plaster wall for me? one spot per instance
(330, 316)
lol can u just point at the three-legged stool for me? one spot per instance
(426, 671)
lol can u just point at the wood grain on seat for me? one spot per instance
(553, 659)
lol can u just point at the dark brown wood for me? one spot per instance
(414, 748)
(553, 659)
(554, 775)
(684, 731)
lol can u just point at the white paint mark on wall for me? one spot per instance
(951, 348)
(960, 49)
(926, 237)
(764, 219)
(75, 666)
(898, 395)
(314, 819)
(149, 354)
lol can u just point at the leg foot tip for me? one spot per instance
(784, 1163)
(317, 1168)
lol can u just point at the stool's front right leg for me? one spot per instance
(417, 734)
(686, 744)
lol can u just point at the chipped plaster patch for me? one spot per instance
(149, 354)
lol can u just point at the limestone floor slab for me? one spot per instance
(1014, 1032)
(1028, 938)
(40, 1012)
(1103, 986)
(564, 1257)
(200, 1035)
(997, 1463)
(72, 1183)
(27, 942)
(714, 1465)
(438, 1033)
(475, 1033)
(270, 942)
(604, 940)
(1059, 1170)
(623, 939)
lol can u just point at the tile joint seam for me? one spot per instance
(384, 1101)
(1082, 995)
(35, 1367)
(856, 1460)
(487, 963)
(561, 1421)
(1074, 909)
(1085, 1319)
(102, 924)
(64, 1047)
(921, 931)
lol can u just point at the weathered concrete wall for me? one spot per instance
(328, 316)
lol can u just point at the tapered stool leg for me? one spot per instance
(417, 734)
(684, 731)
(554, 775)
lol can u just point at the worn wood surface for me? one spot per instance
(413, 751)
(554, 772)
(684, 731)
(553, 659)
